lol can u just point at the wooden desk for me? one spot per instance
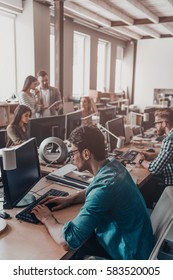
(25, 241)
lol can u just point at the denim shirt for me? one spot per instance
(115, 210)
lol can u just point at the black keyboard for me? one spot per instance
(126, 156)
(26, 214)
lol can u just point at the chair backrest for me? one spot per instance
(162, 219)
(2, 138)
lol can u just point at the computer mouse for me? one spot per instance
(150, 150)
(4, 215)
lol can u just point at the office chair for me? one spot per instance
(162, 219)
(2, 138)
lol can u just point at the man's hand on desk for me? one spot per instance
(58, 202)
(149, 155)
(45, 216)
(141, 160)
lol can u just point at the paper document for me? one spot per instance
(62, 176)
(55, 103)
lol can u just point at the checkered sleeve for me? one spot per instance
(165, 156)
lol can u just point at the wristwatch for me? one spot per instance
(141, 161)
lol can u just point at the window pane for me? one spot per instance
(81, 58)
(7, 57)
(103, 65)
(52, 59)
(118, 69)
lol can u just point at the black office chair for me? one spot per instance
(2, 138)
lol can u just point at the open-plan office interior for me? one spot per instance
(119, 53)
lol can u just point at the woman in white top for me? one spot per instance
(29, 96)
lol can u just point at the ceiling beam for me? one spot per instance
(86, 14)
(149, 31)
(115, 11)
(128, 32)
(144, 21)
(161, 36)
(144, 10)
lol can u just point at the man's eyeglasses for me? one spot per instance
(71, 153)
(160, 122)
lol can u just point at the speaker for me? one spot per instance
(128, 133)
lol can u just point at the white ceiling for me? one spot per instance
(125, 19)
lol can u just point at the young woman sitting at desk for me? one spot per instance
(88, 107)
(17, 129)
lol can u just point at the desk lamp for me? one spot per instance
(9, 158)
(96, 119)
(120, 139)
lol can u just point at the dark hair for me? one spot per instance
(42, 73)
(28, 81)
(166, 114)
(19, 111)
(89, 137)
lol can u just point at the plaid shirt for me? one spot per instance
(163, 163)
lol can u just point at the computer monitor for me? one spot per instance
(116, 126)
(150, 123)
(18, 182)
(107, 114)
(73, 120)
(45, 127)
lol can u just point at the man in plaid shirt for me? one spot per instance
(162, 165)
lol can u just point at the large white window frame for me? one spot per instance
(8, 71)
(118, 69)
(81, 64)
(103, 65)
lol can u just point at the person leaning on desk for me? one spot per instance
(161, 164)
(114, 219)
(17, 130)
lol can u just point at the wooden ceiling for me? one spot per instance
(125, 19)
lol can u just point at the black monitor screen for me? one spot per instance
(107, 114)
(150, 122)
(116, 126)
(73, 120)
(18, 182)
(45, 127)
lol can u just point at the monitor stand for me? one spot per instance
(26, 200)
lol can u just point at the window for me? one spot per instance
(118, 69)
(52, 56)
(103, 65)
(81, 64)
(7, 55)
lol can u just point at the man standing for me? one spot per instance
(114, 214)
(49, 95)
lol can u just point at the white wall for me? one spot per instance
(25, 44)
(154, 69)
(32, 41)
